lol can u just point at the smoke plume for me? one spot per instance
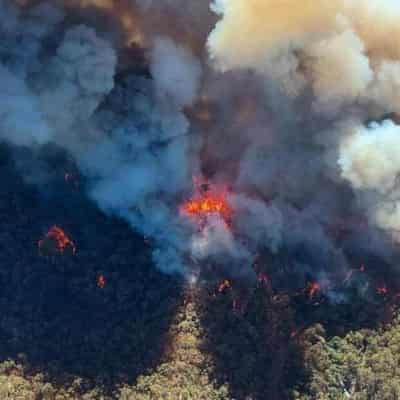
(283, 113)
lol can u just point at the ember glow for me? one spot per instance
(382, 290)
(207, 200)
(208, 204)
(56, 239)
(225, 284)
(312, 289)
(101, 281)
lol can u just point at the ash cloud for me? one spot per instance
(273, 100)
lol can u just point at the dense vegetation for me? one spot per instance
(187, 371)
(140, 335)
(363, 365)
(52, 309)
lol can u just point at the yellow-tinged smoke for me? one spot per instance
(251, 30)
(125, 13)
(106, 4)
(140, 24)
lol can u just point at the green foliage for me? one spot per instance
(185, 375)
(364, 365)
(16, 384)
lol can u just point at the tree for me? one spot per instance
(186, 372)
(363, 365)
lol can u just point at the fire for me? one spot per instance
(208, 199)
(101, 281)
(382, 290)
(312, 289)
(209, 204)
(225, 284)
(56, 239)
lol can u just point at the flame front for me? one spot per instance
(312, 289)
(382, 290)
(204, 202)
(225, 284)
(58, 240)
(209, 204)
(101, 281)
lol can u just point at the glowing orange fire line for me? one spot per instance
(61, 240)
(203, 204)
(208, 205)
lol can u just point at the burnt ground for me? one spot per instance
(52, 309)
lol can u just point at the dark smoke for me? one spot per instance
(281, 114)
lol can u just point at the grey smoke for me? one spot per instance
(287, 129)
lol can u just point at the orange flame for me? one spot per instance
(208, 199)
(58, 239)
(101, 281)
(225, 284)
(382, 290)
(312, 289)
(208, 204)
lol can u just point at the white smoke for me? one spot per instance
(16, 100)
(339, 47)
(369, 160)
(340, 70)
(148, 149)
(215, 241)
(78, 78)
(385, 89)
(368, 156)
(261, 225)
(176, 73)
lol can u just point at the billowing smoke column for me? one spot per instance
(283, 113)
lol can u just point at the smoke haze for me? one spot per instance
(291, 106)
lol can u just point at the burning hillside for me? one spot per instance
(56, 241)
(207, 200)
(286, 114)
(245, 148)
